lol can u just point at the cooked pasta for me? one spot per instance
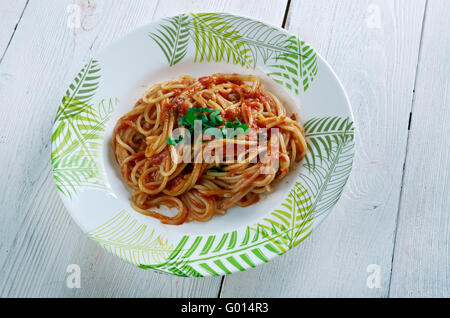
(202, 146)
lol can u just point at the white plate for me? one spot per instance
(89, 180)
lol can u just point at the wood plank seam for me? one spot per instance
(286, 13)
(14, 32)
(419, 55)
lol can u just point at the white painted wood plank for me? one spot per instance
(421, 266)
(269, 11)
(38, 239)
(10, 13)
(377, 67)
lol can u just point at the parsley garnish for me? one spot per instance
(172, 141)
(232, 129)
(216, 169)
(228, 130)
(193, 114)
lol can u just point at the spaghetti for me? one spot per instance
(227, 165)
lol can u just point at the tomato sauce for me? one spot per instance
(176, 183)
(205, 80)
(232, 113)
(151, 177)
(128, 121)
(158, 158)
(180, 107)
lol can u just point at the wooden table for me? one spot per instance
(393, 57)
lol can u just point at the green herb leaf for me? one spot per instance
(229, 130)
(216, 169)
(171, 141)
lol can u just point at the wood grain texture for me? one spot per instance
(10, 14)
(376, 64)
(38, 239)
(421, 266)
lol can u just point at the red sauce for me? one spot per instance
(151, 177)
(257, 96)
(130, 124)
(166, 111)
(194, 89)
(225, 94)
(186, 83)
(217, 79)
(136, 156)
(139, 102)
(249, 112)
(128, 121)
(232, 113)
(220, 78)
(247, 175)
(158, 158)
(236, 81)
(180, 107)
(252, 103)
(205, 80)
(175, 183)
(124, 123)
(178, 91)
(246, 91)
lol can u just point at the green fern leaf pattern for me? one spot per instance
(297, 69)
(217, 40)
(77, 138)
(224, 37)
(218, 255)
(173, 38)
(294, 218)
(264, 41)
(323, 133)
(131, 240)
(80, 92)
(329, 161)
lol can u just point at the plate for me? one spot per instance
(199, 44)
